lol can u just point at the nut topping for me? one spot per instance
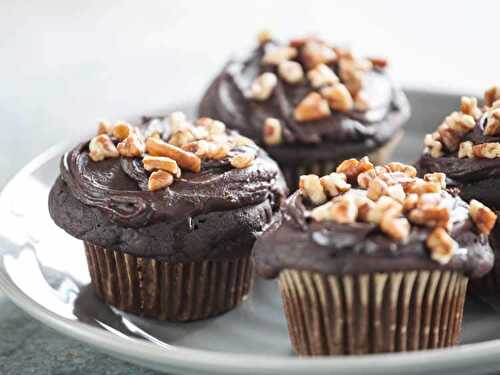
(338, 97)
(263, 86)
(159, 180)
(264, 36)
(344, 210)
(242, 160)
(487, 150)
(384, 207)
(433, 144)
(131, 147)
(441, 246)
(121, 130)
(437, 177)
(403, 168)
(353, 167)
(312, 107)
(491, 95)
(323, 212)
(322, 75)
(482, 216)
(184, 159)
(334, 184)
(468, 106)
(101, 147)
(493, 124)
(465, 150)
(276, 55)
(163, 163)
(310, 187)
(272, 132)
(291, 71)
(396, 228)
(315, 52)
(104, 127)
(361, 103)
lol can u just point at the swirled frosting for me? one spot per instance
(108, 203)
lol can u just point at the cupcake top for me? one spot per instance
(140, 188)
(466, 146)
(363, 219)
(307, 92)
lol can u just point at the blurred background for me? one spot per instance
(64, 64)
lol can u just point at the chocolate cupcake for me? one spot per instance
(466, 146)
(309, 105)
(168, 212)
(373, 259)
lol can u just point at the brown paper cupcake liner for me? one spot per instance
(292, 173)
(168, 291)
(372, 313)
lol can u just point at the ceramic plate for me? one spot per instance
(43, 270)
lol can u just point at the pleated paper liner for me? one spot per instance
(372, 313)
(168, 291)
(292, 173)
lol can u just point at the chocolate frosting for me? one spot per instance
(475, 178)
(338, 136)
(108, 203)
(327, 247)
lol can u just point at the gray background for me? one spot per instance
(65, 64)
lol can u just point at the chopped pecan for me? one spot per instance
(361, 103)
(242, 160)
(377, 188)
(491, 95)
(104, 127)
(315, 52)
(321, 75)
(291, 71)
(310, 187)
(400, 167)
(121, 130)
(396, 192)
(178, 122)
(272, 131)
(163, 163)
(218, 150)
(264, 36)
(468, 106)
(312, 107)
(338, 97)
(365, 178)
(441, 245)
(159, 179)
(263, 86)
(344, 210)
(384, 207)
(437, 177)
(430, 216)
(322, 212)
(334, 184)
(466, 150)
(483, 217)
(489, 150)
(101, 147)
(410, 202)
(181, 137)
(132, 146)
(276, 55)
(421, 187)
(433, 144)
(493, 124)
(240, 140)
(396, 228)
(354, 167)
(186, 160)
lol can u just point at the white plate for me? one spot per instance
(43, 270)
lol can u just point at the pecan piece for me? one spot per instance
(161, 162)
(466, 150)
(396, 228)
(493, 124)
(322, 75)
(276, 55)
(159, 180)
(468, 105)
(263, 86)
(243, 160)
(441, 246)
(334, 184)
(272, 131)
(491, 95)
(102, 147)
(483, 217)
(312, 107)
(315, 52)
(184, 159)
(344, 210)
(291, 71)
(338, 97)
(310, 187)
(489, 150)
(352, 168)
(437, 177)
(132, 146)
(121, 130)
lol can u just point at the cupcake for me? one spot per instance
(466, 147)
(373, 259)
(168, 212)
(310, 105)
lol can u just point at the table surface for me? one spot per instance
(65, 64)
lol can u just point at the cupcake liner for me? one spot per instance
(168, 291)
(372, 313)
(292, 173)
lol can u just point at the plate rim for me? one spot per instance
(188, 359)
